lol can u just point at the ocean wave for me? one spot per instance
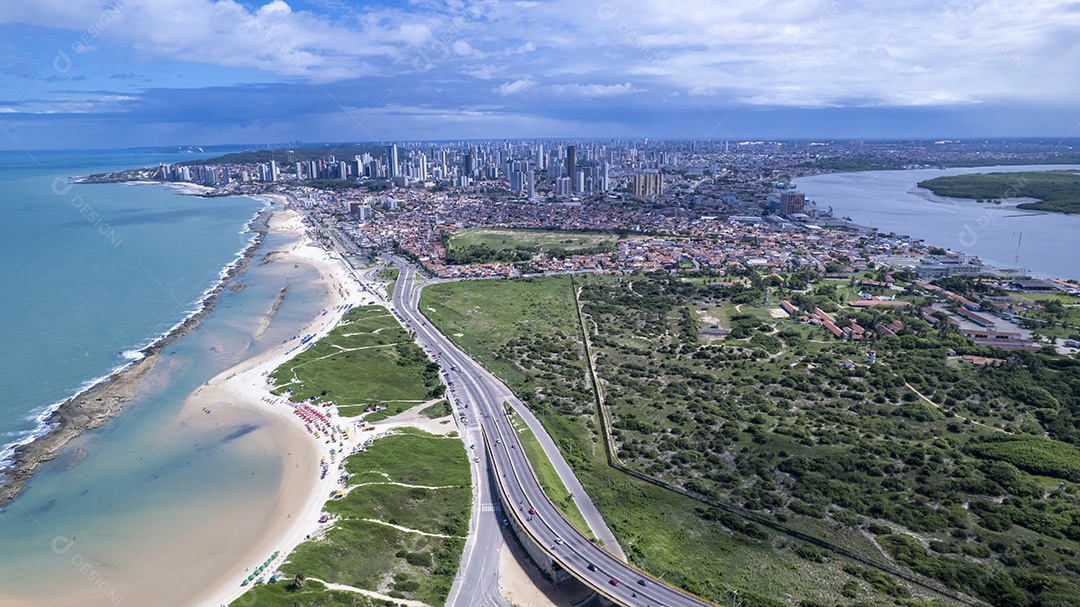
(40, 417)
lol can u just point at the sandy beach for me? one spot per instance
(210, 554)
(243, 389)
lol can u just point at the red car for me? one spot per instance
(613, 582)
(532, 510)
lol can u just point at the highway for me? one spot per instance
(478, 398)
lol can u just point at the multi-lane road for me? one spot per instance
(479, 404)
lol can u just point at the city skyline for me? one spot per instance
(83, 74)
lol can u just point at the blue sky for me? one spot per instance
(123, 73)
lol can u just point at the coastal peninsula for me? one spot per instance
(1056, 191)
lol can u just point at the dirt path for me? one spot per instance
(370, 593)
(956, 415)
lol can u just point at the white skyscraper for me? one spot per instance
(391, 161)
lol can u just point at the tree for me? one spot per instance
(298, 581)
(1054, 309)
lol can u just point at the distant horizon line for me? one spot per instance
(1057, 140)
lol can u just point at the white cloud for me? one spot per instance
(515, 87)
(74, 103)
(276, 7)
(595, 90)
(807, 53)
(272, 38)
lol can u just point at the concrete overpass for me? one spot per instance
(551, 539)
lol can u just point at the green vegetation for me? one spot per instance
(312, 594)
(484, 245)
(390, 274)
(1057, 191)
(334, 185)
(369, 359)
(375, 556)
(439, 409)
(1033, 454)
(770, 424)
(286, 158)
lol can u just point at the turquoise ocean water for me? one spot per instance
(92, 274)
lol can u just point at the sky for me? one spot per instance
(129, 73)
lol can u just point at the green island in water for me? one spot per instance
(1057, 191)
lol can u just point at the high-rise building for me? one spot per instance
(648, 183)
(273, 170)
(391, 161)
(531, 184)
(792, 203)
(359, 211)
(571, 164)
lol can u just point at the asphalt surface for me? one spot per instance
(478, 400)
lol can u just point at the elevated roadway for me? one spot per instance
(479, 404)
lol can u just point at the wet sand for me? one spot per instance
(205, 558)
(209, 553)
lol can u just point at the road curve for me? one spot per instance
(478, 399)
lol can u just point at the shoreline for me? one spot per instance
(95, 405)
(967, 226)
(206, 564)
(244, 388)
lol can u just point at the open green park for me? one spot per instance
(1057, 191)
(780, 462)
(482, 245)
(369, 360)
(400, 528)
(399, 531)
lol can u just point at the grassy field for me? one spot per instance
(506, 323)
(439, 409)
(390, 274)
(508, 239)
(774, 422)
(469, 315)
(313, 594)
(360, 553)
(368, 359)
